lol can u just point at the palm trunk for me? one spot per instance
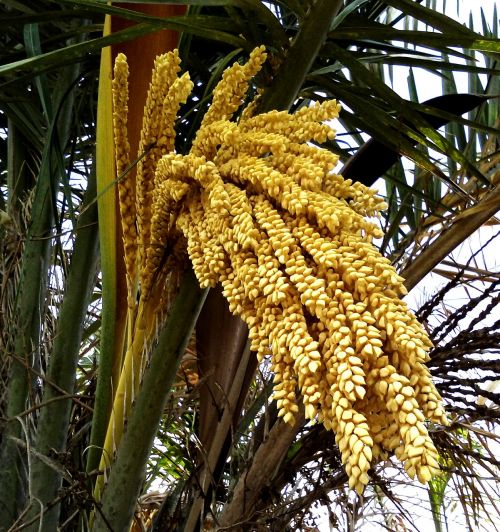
(55, 415)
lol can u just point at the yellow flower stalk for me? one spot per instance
(259, 210)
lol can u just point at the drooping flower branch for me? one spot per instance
(259, 210)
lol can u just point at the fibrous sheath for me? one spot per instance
(263, 214)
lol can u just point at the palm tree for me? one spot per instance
(74, 456)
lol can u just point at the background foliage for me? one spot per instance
(51, 331)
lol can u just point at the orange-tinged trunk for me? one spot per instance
(141, 53)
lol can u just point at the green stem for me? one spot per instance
(104, 387)
(55, 416)
(299, 59)
(436, 491)
(113, 276)
(127, 473)
(29, 301)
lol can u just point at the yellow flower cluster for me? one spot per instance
(263, 214)
(126, 189)
(156, 140)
